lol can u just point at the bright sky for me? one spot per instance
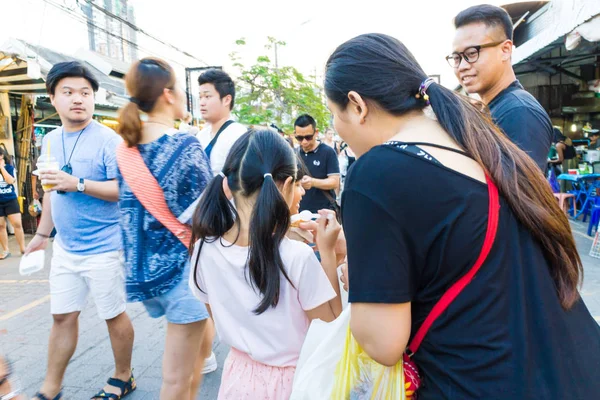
(312, 29)
(208, 30)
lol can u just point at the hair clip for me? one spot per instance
(153, 63)
(422, 92)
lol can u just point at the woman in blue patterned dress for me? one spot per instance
(157, 263)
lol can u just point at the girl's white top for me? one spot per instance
(274, 337)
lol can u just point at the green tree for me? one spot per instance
(268, 93)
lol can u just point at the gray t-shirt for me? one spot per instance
(84, 224)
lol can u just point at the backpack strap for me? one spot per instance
(148, 191)
(213, 142)
(454, 290)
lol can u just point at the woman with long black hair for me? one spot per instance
(416, 210)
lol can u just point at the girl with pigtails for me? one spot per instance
(261, 288)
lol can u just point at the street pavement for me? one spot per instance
(25, 323)
(25, 326)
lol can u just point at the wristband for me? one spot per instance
(42, 235)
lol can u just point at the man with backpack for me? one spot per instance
(217, 98)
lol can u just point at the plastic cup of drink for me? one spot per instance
(47, 163)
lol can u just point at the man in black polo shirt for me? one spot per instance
(322, 164)
(481, 59)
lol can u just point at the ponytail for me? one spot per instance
(213, 217)
(268, 225)
(130, 124)
(146, 81)
(256, 162)
(520, 182)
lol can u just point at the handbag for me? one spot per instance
(148, 191)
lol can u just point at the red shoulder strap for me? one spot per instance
(147, 190)
(458, 286)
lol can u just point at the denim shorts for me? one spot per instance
(178, 304)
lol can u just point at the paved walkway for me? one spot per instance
(25, 325)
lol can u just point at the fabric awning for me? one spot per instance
(561, 17)
(14, 77)
(24, 66)
(589, 31)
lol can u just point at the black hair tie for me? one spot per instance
(145, 106)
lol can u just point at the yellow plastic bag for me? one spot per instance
(358, 377)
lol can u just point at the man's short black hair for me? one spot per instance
(221, 81)
(491, 16)
(305, 120)
(69, 69)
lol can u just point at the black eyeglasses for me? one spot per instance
(470, 55)
(307, 137)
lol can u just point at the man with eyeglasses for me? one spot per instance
(482, 63)
(322, 163)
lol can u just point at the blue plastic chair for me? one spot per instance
(594, 216)
(587, 197)
(594, 220)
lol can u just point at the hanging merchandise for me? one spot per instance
(3, 124)
(23, 141)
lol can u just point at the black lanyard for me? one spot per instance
(67, 165)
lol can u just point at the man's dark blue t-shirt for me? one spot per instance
(524, 121)
(321, 162)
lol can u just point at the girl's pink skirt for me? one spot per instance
(246, 379)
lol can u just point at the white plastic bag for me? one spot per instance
(343, 294)
(32, 263)
(321, 352)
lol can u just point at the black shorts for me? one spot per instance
(9, 207)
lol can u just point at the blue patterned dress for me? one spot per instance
(154, 258)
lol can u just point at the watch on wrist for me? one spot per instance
(81, 185)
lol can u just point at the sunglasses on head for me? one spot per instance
(307, 137)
